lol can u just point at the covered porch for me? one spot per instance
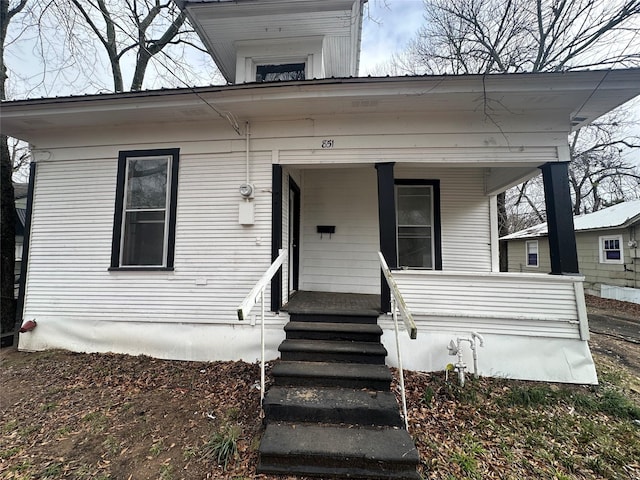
(334, 219)
(440, 217)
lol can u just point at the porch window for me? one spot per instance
(415, 226)
(286, 71)
(144, 222)
(531, 248)
(611, 249)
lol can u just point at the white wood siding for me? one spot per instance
(347, 198)
(217, 260)
(345, 261)
(497, 303)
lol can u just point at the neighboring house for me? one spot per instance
(608, 252)
(154, 213)
(20, 196)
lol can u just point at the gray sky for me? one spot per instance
(388, 26)
(387, 29)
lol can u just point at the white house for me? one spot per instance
(607, 244)
(154, 213)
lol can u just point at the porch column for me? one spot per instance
(276, 234)
(387, 223)
(562, 239)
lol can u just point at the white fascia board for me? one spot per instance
(462, 92)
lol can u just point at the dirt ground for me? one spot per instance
(615, 330)
(91, 416)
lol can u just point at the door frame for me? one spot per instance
(276, 234)
(293, 282)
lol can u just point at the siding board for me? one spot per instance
(71, 244)
(346, 198)
(529, 305)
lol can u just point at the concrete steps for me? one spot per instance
(333, 351)
(330, 412)
(332, 405)
(334, 318)
(357, 332)
(325, 374)
(338, 451)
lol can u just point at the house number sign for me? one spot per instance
(327, 143)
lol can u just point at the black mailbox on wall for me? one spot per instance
(326, 228)
(322, 229)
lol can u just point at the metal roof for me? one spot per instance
(559, 100)
(617, 216)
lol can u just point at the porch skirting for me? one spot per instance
(565, 360)
(503, 355)
(167, 340)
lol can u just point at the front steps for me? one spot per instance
(338, 451)
(332, 405)
(332, 351)
(331, 412)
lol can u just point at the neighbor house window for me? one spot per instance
(611, 249)
(531, 247)
(285, 71)
(418, 224)
(144, 220)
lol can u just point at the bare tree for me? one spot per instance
(600, 175)
(503, 36)
(130, 32)
(511, 36)
(8, 11)
(70, 37)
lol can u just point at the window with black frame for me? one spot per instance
(144, 223)
(414, 205)
(285, 71)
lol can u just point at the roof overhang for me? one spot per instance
(223, 24)
(565, 101)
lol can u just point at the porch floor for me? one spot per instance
(333, 303)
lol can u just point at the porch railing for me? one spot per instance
(257, 293)
(502, 303)
(398, 303)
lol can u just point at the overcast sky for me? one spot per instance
(388, 27)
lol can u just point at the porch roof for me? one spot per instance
(565, 101)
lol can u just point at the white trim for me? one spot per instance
(601, 244)
(251, 53)
(581, 306)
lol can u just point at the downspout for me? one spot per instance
(635, 257)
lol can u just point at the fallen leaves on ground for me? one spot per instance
(613, 307)
(108, 416)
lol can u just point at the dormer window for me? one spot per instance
(285, 71)
(324, 34)
(279, 60)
